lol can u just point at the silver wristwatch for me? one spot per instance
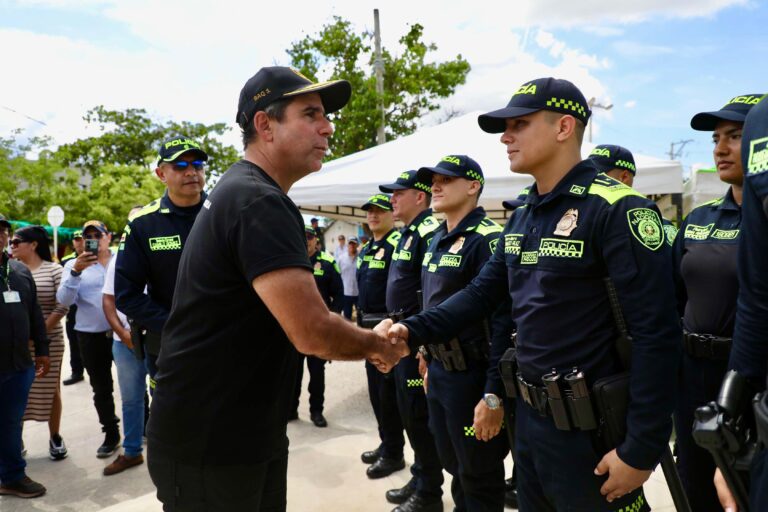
(492, 401)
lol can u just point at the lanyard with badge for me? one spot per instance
(9, 296)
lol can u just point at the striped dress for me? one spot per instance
(47, 279)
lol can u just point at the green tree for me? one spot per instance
(413, 85)
(132, 138)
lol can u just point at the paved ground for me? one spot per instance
(324, 473)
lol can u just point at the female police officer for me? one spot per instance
(705, 253)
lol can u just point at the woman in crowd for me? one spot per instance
(30, 245)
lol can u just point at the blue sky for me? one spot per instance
(657, 61)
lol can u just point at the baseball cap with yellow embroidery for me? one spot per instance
(735, 110)
(97, 224)
(78, 233)
(380, 200)
(174, 147)
(407, 180)
(272, 83)
(607, 157)
(458, 166)
(552, 94)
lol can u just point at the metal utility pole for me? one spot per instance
(674, 154)
(592, 106)
(378, 67)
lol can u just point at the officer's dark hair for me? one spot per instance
(275, 110)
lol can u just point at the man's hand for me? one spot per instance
(125, 337)
(85, 260)
(42, 365)
(398, 332)
(425, 380)
(724, 493)
(622, 478)
(422, 364)
(388, 352)
(487, 421)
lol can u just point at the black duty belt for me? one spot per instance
(707, 346)
(564, 398)
(370, 320)
(454, 355)
(761, 418)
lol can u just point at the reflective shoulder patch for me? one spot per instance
(613, 192)
(428, 225)
(146, 210)
(487, 227)
(670, 231)
(757, 161)
(645, 225)
(325, 256)
(394, 238)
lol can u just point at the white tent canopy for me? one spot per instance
(343, 185)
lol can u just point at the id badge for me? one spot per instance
(11, 297)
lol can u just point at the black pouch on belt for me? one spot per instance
(611, 396)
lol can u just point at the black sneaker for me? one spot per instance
(57, 448)
(110, 446)
(73, 379)
(318, 419)
(24, 488)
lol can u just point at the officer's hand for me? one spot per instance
(724, 493)
(42, 365)
(425, 377)
(398, 332)
(387, 353)
(85, 260)
(622, 478)
(487, 421)
(383, 327)
(422, 364)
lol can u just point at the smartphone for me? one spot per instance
(92, 246)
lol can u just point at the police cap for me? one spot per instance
(174, 147)
(380, 200)
(459, 166)
(608, 156)
(407, 180)
(735, 110)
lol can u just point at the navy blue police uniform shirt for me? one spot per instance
(555, 251)
(149, 255)
(227, 369)
(373, 263)
(705, 253)
(404, 278)
(451, 262)
(328, 279)
(749, 354)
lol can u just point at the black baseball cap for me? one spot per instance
(4, 222)
(608, 156)
(407, 180)
(459, 166)
(513, 204)
(380, 200)
(275, 82)
(553, 94)
(174, 147)
(735, 110)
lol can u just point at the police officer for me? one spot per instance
(749, 353)
(619, 163)
(150, 250)
(464, 386)
(75, 362)
(576, 228)
(705, 256)
(328, 279)
(410, 205)
(373, 263)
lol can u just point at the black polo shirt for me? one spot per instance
(226, 369)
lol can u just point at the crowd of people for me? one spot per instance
(480, 340)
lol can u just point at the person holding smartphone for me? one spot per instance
(81, 284)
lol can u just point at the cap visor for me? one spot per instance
(495, 122)
(512, 204)
(707, 121)
(425, 173)
(334, 94)
(388, 189)
(183, 151)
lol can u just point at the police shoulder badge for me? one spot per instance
(457, 245)
(568, 223)
(379, 254)
(645, 225)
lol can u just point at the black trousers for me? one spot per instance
(96, 352)
(204, 488)
(75, 361)
(316, 385)
(382, 394)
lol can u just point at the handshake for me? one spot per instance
(392, 345)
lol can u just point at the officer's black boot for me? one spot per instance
(398, 496)
(384, 467)
(510, 493)
(418, 503)
(371, 456)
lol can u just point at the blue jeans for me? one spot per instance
(132, 379)
(14, 391)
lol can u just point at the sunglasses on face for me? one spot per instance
(93, 236)
(16, 241)
(183, 165)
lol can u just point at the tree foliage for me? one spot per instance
(413, 85)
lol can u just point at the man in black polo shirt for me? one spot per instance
(245, 293)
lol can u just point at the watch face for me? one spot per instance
(492, 401)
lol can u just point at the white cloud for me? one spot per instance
(630, 104)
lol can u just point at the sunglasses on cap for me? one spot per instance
(183, 165)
